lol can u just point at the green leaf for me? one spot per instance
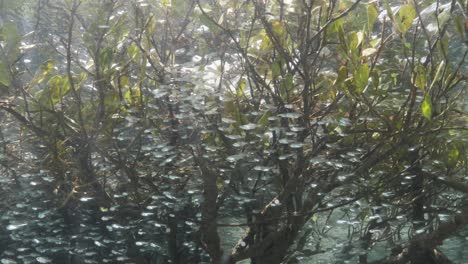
(133, 95)
(371, 16)
(341, 36)
(123, 81)
(128, 97)
(45, 70)
(443, 44)
(353, 41)
(361, 76)
(375, 42)
(9, 33)
(436, 76)
(55, 88)
(132, 51)
(58, 87)
(289, 82)
(4, 75)
(279, 30)
(394, 77)
(314, 218)
(47, 66)
(276, 69)
(266, 44)
(375, 79)
(342, 75)
(241, 87)
(444, 16)
(360, 38)
(150, 25)
(335, 26)
(389, 10)
(420, 77)
(406, 15)
(459, 26)
(263, 121)
(426, 107)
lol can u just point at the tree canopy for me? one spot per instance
(231, 131)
